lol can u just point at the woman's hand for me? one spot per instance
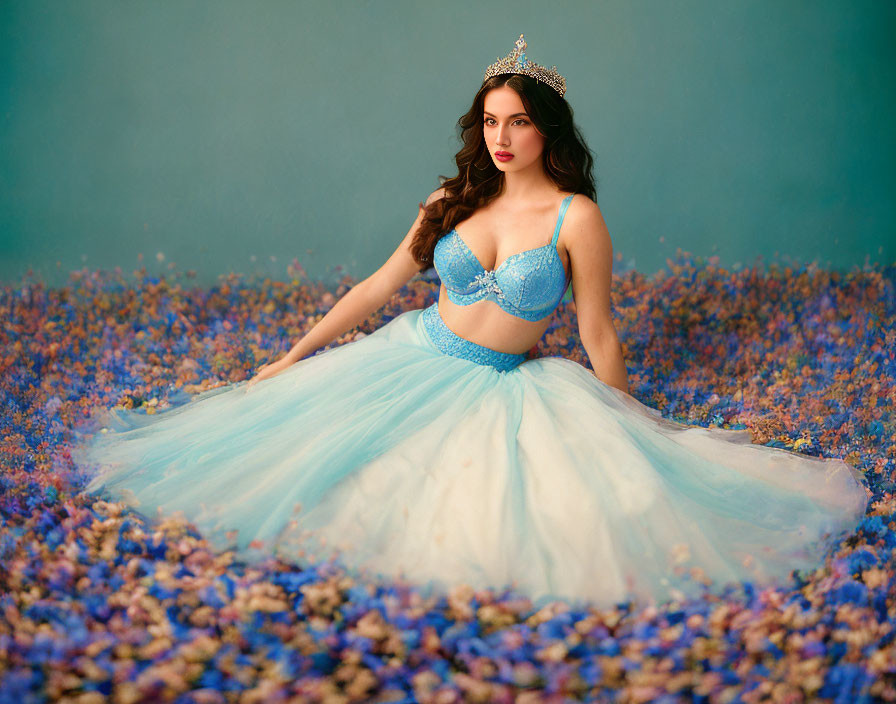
(266, 371)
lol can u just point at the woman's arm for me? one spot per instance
(355, 306)
(591, 260)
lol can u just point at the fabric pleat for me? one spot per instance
(402, 461)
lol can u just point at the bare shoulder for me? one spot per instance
(584, 225)
(435, 195)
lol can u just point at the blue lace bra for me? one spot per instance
(528, 284)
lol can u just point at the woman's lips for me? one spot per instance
(503, 156)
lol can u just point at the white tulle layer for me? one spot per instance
(401, 460)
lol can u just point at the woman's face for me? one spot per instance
(508, 129)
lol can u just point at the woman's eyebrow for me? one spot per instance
(514, 114)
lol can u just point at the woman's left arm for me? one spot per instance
(591, 262)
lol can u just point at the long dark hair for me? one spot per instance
(566, 159)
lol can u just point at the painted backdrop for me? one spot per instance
(224, 135)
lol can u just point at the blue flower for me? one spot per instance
(851, 592)
(861, 560)
(873, 526)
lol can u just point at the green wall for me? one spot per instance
(234, 136)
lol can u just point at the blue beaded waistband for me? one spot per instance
(453, 344)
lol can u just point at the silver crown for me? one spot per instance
(516, 62)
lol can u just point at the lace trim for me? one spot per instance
(453, 344)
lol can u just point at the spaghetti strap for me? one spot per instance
(563, 208)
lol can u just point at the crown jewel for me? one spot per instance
(516, 62)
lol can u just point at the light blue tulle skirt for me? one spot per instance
(412, 453)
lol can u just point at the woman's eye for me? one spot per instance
(520, 120)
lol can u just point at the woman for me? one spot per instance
(433, 449)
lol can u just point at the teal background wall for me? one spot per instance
(230, 135)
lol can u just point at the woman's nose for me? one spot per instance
(503, 136)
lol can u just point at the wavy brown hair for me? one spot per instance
(566, 159)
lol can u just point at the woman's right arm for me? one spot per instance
(358, 303)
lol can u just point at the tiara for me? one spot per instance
(516, 62)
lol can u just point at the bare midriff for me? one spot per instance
(486, 324)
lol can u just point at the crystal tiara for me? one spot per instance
(516, 62)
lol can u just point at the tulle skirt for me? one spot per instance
(412, 453)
